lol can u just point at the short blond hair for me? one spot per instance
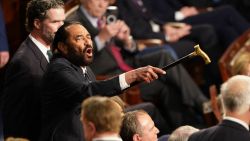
(103, 113)
(240, 64)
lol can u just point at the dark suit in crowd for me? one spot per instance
(65, 87)
(169, 93)
(225, 131)
(21, 99)
(227, 22)
(139, 18)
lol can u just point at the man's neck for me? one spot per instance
(242, 119)
(40, 39)
(107, 134)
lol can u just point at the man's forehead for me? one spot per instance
(54, 12)
(76, 29)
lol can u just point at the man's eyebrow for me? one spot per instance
(79, 35)
(88, 35)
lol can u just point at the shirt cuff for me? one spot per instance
(100, 45)
(178, 16)
(122, 81)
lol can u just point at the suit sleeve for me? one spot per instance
(67, 84)
(140, 28)
(3, 37)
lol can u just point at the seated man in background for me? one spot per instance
(101, 119)
(177, 96)
(235, 94)
(227, 22)
(144, 25)
(68, 81)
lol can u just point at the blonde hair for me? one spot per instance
(119, 101)
(240, 63)
(103, 113)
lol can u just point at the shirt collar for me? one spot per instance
(93, 20)
(41, 47)
(84, 70)
(110, 138)
(244, 124)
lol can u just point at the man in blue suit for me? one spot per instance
(4, 51)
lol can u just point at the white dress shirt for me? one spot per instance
(110, 138)
(244, 124)
(41, 47)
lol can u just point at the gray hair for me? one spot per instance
(182, 133)
(236, 94)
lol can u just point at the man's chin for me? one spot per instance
(88, 62)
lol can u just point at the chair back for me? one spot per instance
(237, 47)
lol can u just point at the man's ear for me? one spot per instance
(136, 137)
(92, 128)
(62, 48)
(37, 23)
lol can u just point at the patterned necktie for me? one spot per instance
(50, 54)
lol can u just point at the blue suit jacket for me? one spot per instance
(3, 38)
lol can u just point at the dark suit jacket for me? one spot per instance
(225, 131)
(155, 57)
(64, 88)
(139, 23)
(221, 18)
(165, 10)
(20, 101)
(99, 65)
(135, 18)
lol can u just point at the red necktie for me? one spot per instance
(118, 57)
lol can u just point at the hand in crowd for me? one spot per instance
(188, 11)
(117, 28)
(4, 58)
(174, 34)
(124, 34)
(147, 74)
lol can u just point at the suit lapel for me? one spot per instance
(38, 54)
